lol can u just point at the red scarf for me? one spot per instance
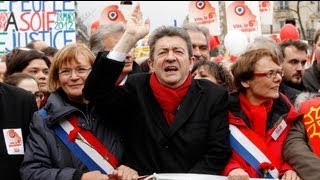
(257, 115)
(168, 98)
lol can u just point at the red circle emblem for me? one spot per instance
(112, 15)
(200, 4)
(239, 10)
(12, 134)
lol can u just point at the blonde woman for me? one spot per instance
(52, 151)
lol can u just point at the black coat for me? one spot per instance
(198, 139)
(311, 78)
(290, 92)
(16, 109)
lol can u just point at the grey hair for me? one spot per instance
(170, 31)
(96, 38)
(303, 97)
(196, 28)
(268, 43)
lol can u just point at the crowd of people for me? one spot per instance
(90, 111)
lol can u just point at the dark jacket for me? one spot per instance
(197, 140)
(290, 92)
(311, 78)
(16, 109)
(135, 68)
(46, 156)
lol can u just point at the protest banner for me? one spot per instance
(24, 21)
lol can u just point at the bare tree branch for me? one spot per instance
(297, 11)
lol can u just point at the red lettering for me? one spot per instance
(3, 20)
(36, 21)
(22, 17)
(43, 21)
(33, 24)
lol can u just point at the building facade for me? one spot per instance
(304, 14)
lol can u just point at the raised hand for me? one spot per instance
(135, 25)
(136, 29)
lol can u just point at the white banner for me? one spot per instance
(24, 21)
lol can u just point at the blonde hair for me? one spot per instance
(64, 56)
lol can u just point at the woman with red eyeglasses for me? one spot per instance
(259, 118)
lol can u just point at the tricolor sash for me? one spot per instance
(84, 145)
(311, 119)
(252, 151)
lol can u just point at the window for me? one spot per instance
(284, 4)
(282, 22)
(310, 33)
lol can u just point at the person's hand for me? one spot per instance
(238, 174)
(290, 175)
(124, 173)
(94, 175)
(136, 29)
(135, 25)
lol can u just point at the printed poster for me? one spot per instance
(24, 21)
(13, 140)
(205, 13)
(111, 14)
(266, 12)
(244, 16)
(172, 13)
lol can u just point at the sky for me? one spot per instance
(159, 12)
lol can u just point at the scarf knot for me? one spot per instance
(257, 115)
(168, 98)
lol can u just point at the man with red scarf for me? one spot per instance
(171, 123)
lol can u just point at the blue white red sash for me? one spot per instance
(85, 146)
(251, 152)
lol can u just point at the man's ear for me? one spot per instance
(151, 64)
(192, 61)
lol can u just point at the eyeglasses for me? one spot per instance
(270, 74)
(81, 71)
(39, 95)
